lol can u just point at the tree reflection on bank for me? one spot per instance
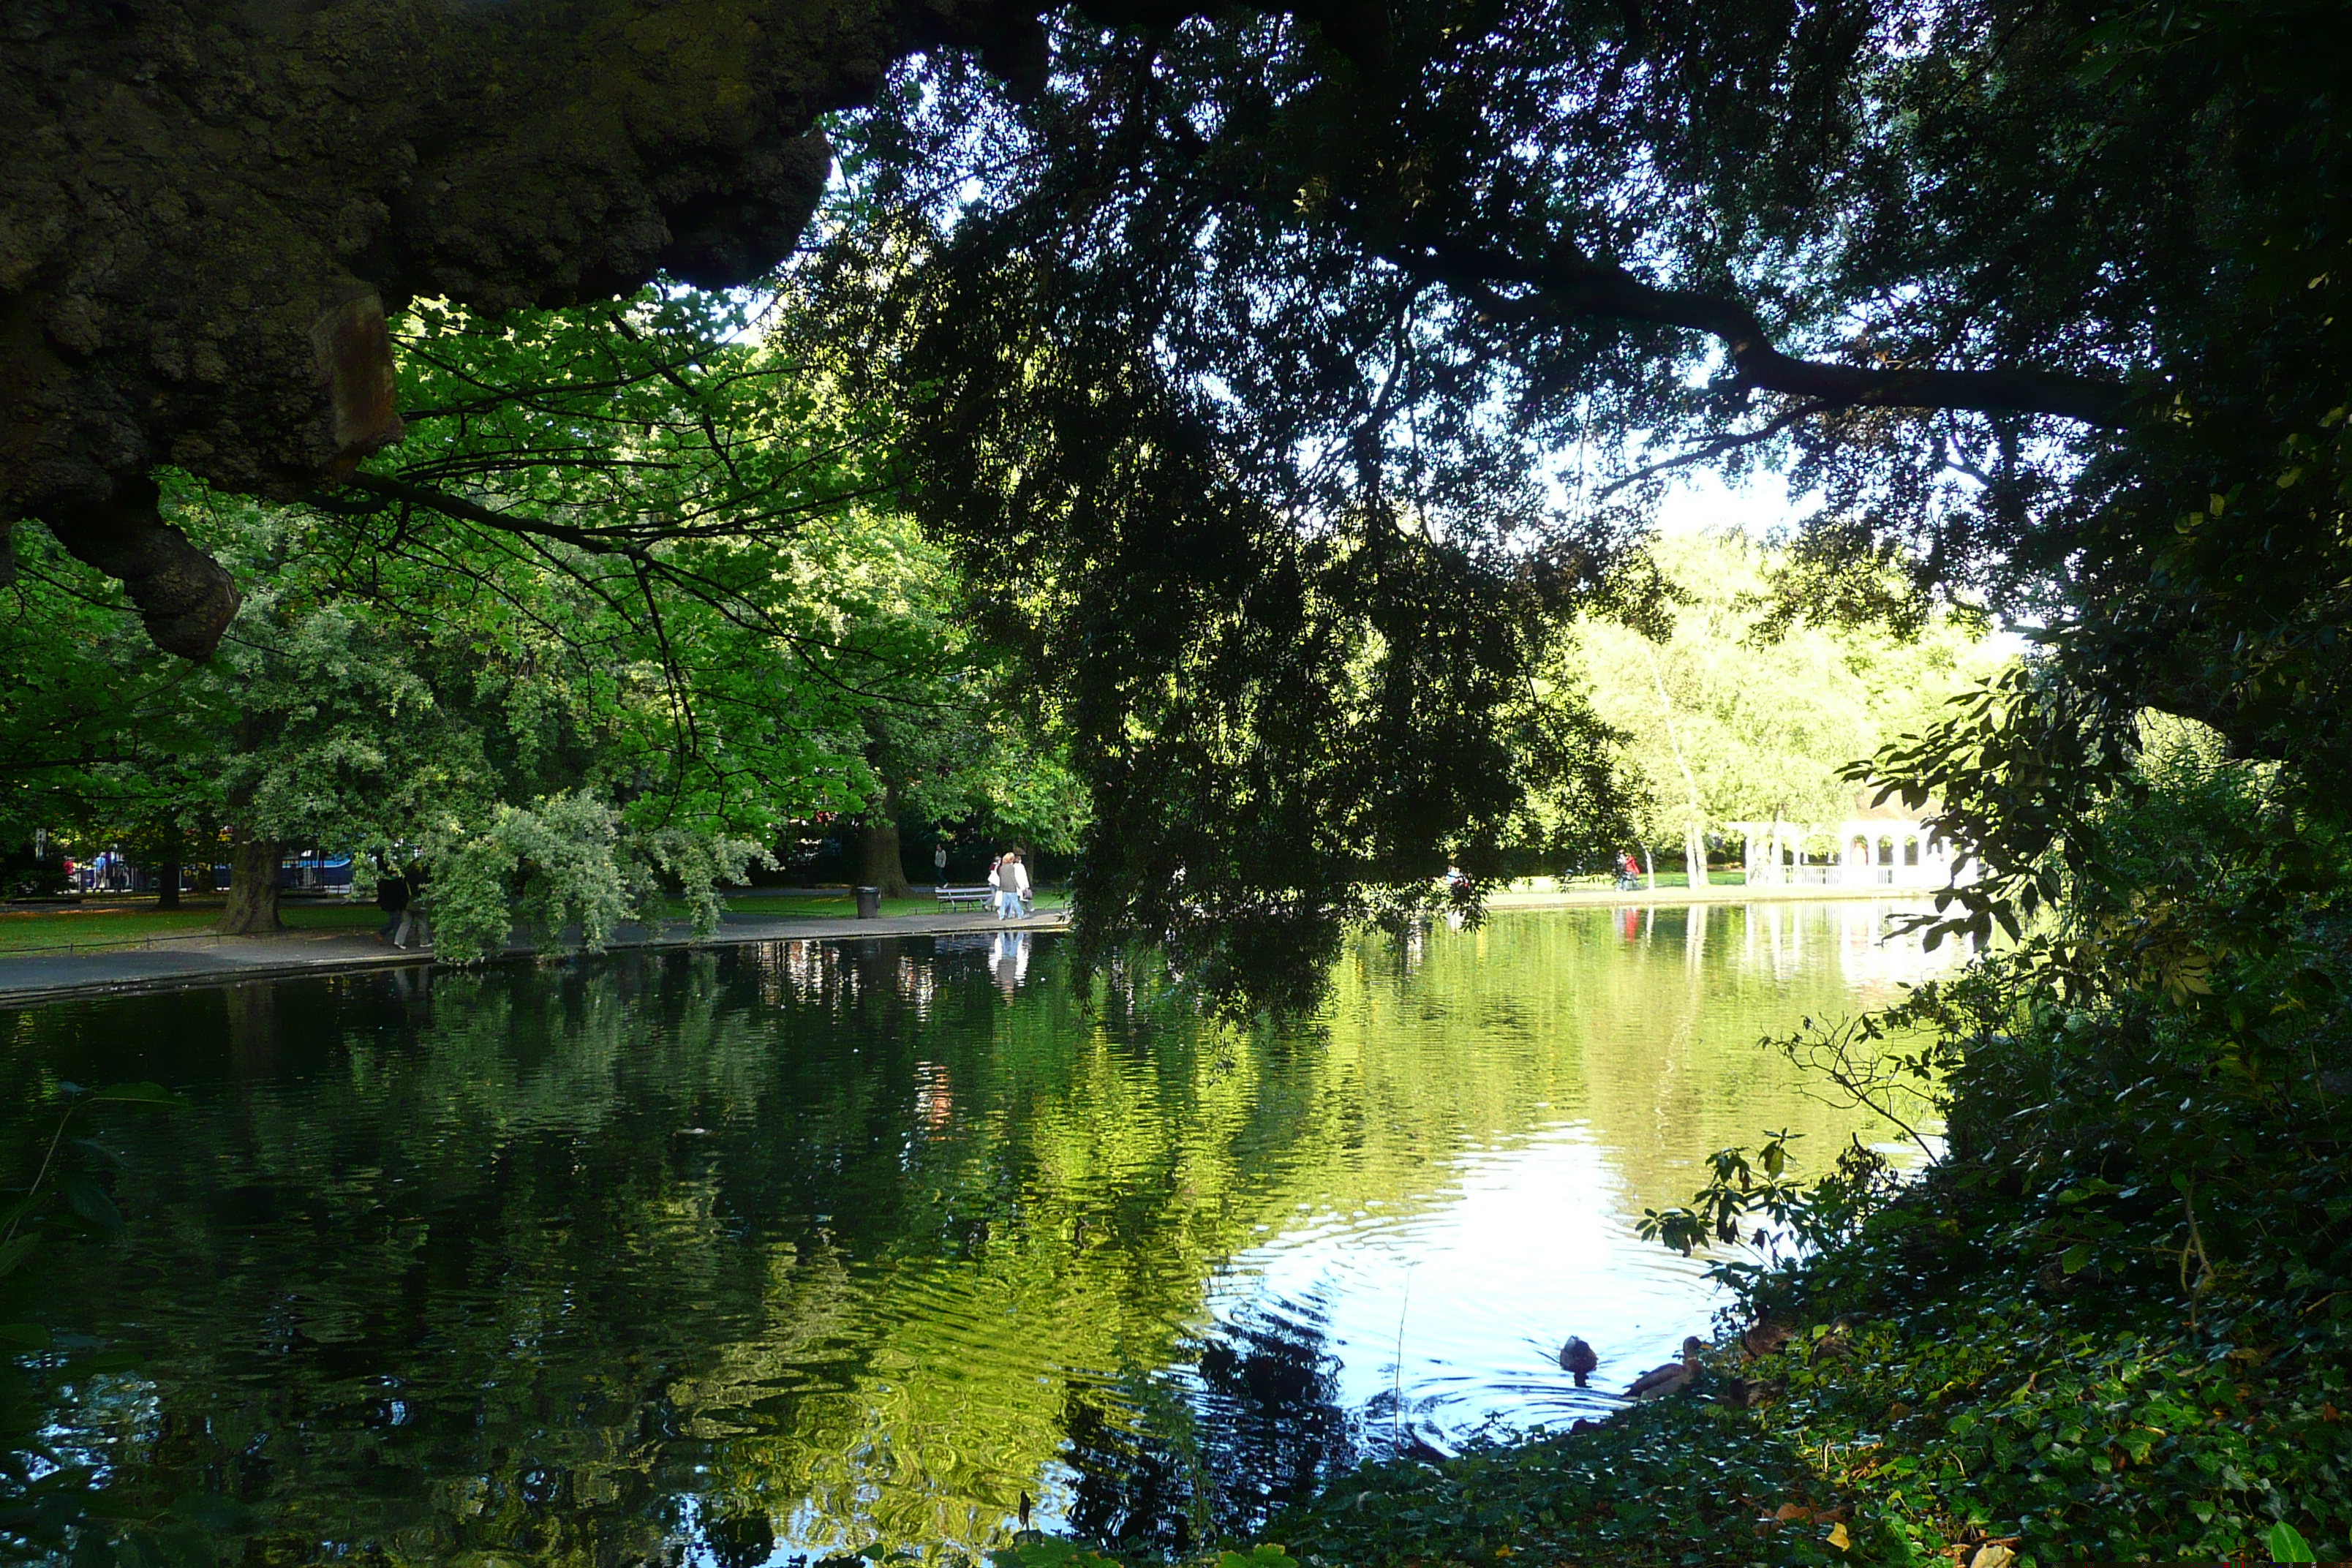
(816, 1249)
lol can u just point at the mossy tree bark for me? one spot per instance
(252, 888)
(880, 861)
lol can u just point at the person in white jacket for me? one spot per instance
(1011, 885)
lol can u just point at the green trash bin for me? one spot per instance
(870, 902)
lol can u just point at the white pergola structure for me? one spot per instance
(1876, 847)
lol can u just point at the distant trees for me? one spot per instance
(1735, 713)
(962, 738)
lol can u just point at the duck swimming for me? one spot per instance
(1671, 1378)
(1577, 1357)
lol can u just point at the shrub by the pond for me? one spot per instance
(1681, 1482)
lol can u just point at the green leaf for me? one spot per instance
(32, 1336)
(2075, 1258)
(143, 1093)
(1051, 1553)
(89, 1200)
(15, 1252)
(2287, 1544)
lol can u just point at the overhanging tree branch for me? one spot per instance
(467, 511)
(1570, 287)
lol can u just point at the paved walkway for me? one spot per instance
(29, 978)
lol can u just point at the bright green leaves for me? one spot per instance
(1748, 713)
(2287, 1545)
(1801, 1215)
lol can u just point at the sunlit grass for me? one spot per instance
(132, 923)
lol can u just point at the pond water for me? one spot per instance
(809, 1250)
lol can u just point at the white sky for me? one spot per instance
(1759, 506)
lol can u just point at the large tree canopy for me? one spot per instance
(2012, 288)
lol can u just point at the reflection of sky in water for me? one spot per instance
(1459, 1305)
(1481, 1292)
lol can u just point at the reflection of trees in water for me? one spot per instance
(1256, 1425)
(739, 1540)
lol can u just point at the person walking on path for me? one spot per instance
(412, 913)
(392, 897)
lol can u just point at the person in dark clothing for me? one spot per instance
(411, 915)
(392, 897)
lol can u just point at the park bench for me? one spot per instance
(978, 898)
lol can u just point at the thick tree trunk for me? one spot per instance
(167, 895)
(879, 863)
(1693, 856)
(252, 888)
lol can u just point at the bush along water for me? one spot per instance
(2112, 1319)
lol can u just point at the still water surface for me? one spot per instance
(814, 1249)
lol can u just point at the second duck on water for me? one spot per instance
(1577, 1357)
(1671, 1378)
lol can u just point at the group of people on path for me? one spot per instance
(1010, 879)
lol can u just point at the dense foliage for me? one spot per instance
(1250, 354)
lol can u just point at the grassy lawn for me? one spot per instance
(131, 921)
